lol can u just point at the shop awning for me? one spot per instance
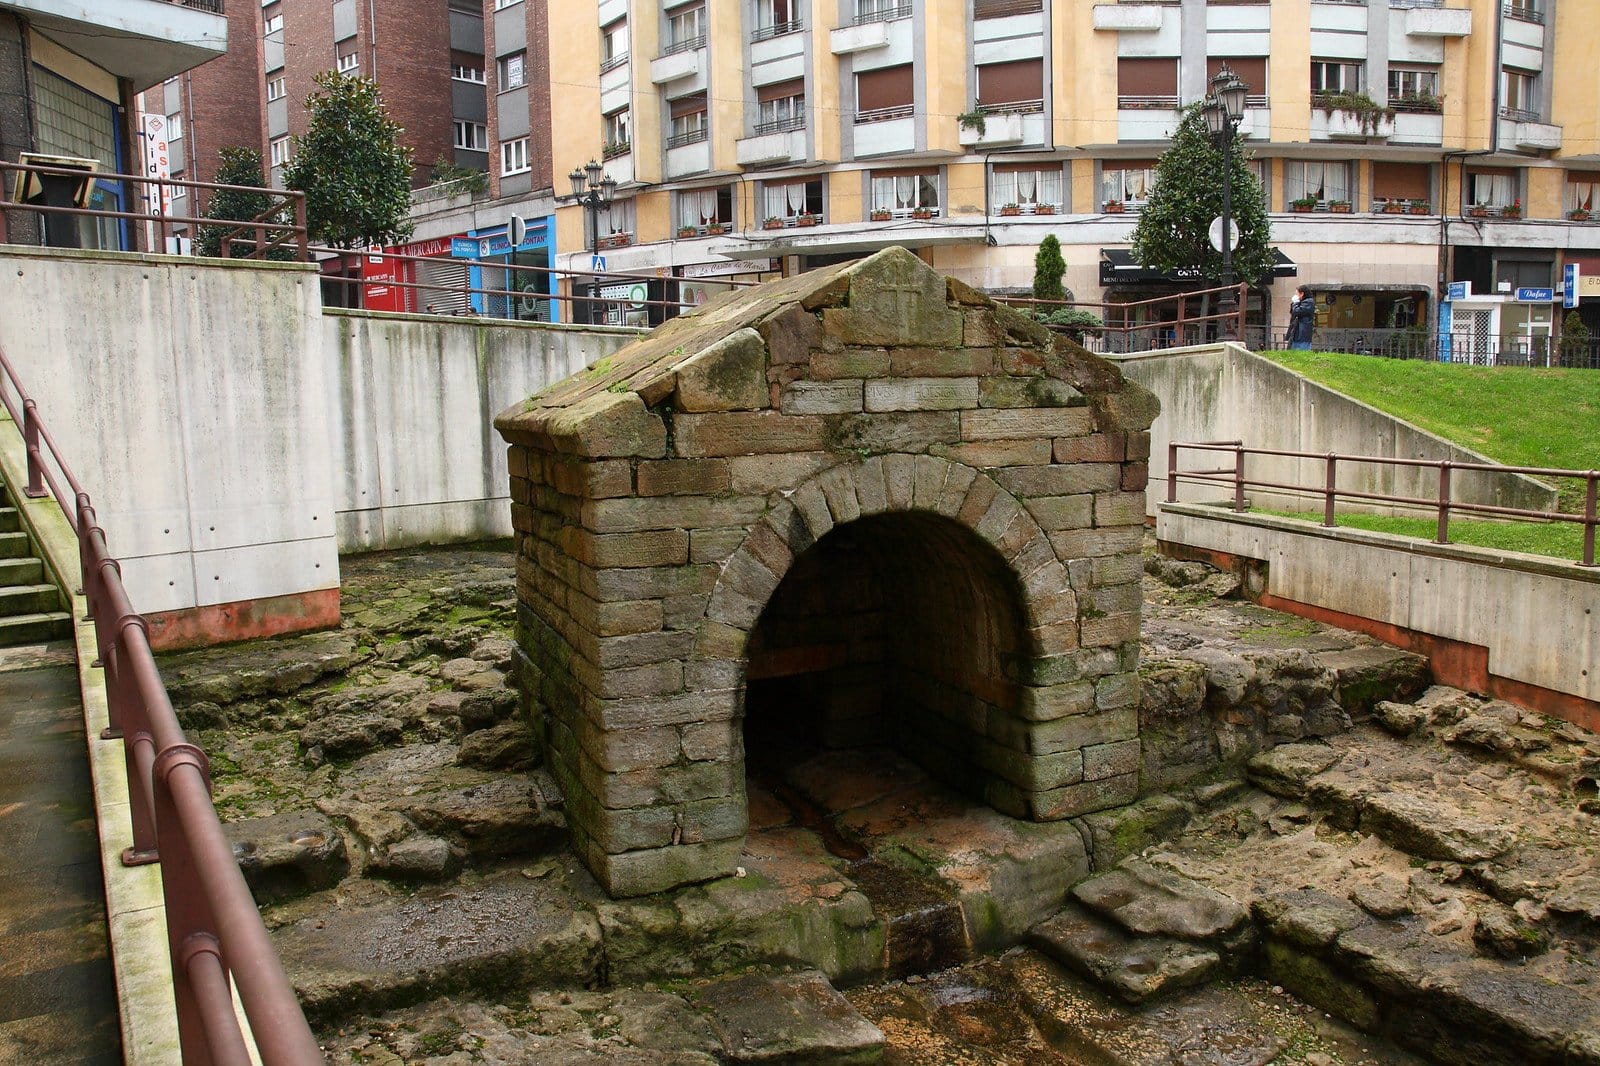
(1118, 267)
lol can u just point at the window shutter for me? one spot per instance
(889, 87)
(1010, 83)
(688, 105)
(780, 90)
(1147, 77)
(1400, 181)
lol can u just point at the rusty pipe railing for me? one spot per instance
(214, 930)
(1443, 503)
(1228, 322)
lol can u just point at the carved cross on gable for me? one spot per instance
(897, 300)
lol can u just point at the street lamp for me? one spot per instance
(1223, 109)
(594, 193)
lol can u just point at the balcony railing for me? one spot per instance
(780, 125)
(611, 151)
(996, 9)
(1013, 107)
(1525, 12)
(213, 6)
(1520, 114)
(688, 44)
(883, 114)
(680, 140)
(777, 29)
(614, 62)
(1417, 103)
(883, 14)
(1131, 102)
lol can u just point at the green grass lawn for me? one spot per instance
(1514, 415)
(1559, 540)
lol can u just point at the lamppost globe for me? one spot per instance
(592, 169)
(1216, 117)
(576, 177)
(608, 189)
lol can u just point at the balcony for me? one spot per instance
(145, 41)
(679, 60)
(883, 14)
(1523, 129)
(1003, 129)
(777, 29)
(1349, 117)
(1438, 22)
(773, 142)
(848, 39)
(1524, 11)
(1128, 18)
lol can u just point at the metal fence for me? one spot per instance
(1143, 325)
(1234, 476)
(1467, 348)
(214, 930)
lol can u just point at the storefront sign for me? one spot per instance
(1535, 295)
(157, 162)
(1458, 290)
(731, 266)
(1569, 285)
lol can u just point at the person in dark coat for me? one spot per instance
(1302, 317)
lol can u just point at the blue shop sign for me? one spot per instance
(1535, 296)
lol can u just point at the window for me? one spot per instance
(1414, 88)
(1027, 187)
(1335, 76)
(789, 200)
(618, 218)
(1527, 10)
(463, 72)
(904, 194)
(1127, 182)
(884, 93)
(514, 156)
(1147, 83)
(1252, 70)
(1519, 95)
(700, 209)
(1581, 188)
(1411, 183)
(781, 106)
(686, 29)
(348, 62)
(276, 88)
(174, 126)
(1494, 189)
(278, 151)
(271, 23)
(501, 5)
(1014, 86)
(1320, 183)
(614, 132)
(775, 18)
(881, 10)
(473, 136)
(688, 121)
(511, 71)
(613, 45)
(178, 192)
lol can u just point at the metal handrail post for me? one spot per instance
(1328, 490)
(1443, 536)
(1590, 494)
(1238, 477)
(302, 238)
(1172, 472)
(30, 442)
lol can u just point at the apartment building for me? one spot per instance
(69, 76)
(1402, 144)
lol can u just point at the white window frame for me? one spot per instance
(618, 218)
(1413, 81)
(1028, 189)
(277, 88)
(501, 5)
(1352, 76)
(1321, 178)
(461, 72)
(786, 200)
(470, 136)
(1491, 190)
(695, 122)
(614, 44)
(789, 110)
(617, 122)
(517, 61)
(1115, 185)
(271, 24)
(514, 157)
(348, 62)
(1529, 100)
(175, 126)
(902, 194)
(695, 17)
(278, 151)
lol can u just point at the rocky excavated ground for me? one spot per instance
(1327, 838)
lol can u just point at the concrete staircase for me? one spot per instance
(31, 608)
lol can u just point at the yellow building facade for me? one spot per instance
(1402, 144)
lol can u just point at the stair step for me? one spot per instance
(26, 571)
(10, 519)
(29, 599)
(15, 546)
(35, 628)
(1132, 967)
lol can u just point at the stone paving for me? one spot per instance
(57, 1000)
(380, 787)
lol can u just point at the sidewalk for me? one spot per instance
(58, 1001)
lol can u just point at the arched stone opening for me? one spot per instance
(899, 630)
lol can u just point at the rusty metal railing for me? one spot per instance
(214, 930)
(1119, 331)
(281, 225)
(1442, 503)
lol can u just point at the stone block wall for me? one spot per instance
(942, 501)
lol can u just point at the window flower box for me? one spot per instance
(1394, 207)
(1113, 207)
(1044, 209)
(805, 220)
(879, 215)
(1010, 209)
(1512, 210)
(1419, 207)
(688, 231)
(773, 222)
(1304, 206)
(1478, 211)
(716, 229)
(1339, 207)
(1578, 214)
(921, 213)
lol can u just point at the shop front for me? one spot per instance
(443, 284)
(511, 282)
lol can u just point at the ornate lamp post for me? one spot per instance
(1223, 109)
(595, 193)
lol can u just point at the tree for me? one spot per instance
(1575, 341)
(1174, 227)
(350, 164)
(1048, 267)
(237, 166)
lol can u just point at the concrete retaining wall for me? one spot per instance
(236, 440)
(1225, 392)
(416, 458)
(1529, 627)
